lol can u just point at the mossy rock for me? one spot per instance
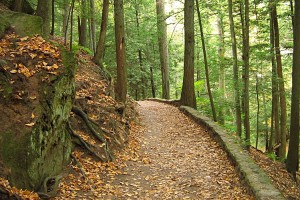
(23, 24)
(33, 155)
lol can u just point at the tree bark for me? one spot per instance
(66, 16)
(163, 48)
(121, 85)
(221, 52)
(235, 73)
(143, 82)
(283, 114)
(206, 65)
(93, 26)
(275, 129)
(292, 162)
(245, 27)
(53, 17)
(188, 97)
(82, 22)
(43, 10)
(98, 58)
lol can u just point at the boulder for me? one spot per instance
(21, 23)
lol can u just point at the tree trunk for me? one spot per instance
(43, 10)
(93, 26)
(206, 65)
(188, 89)
(275, 101)
(235, 73)
(152, 82)
(82, 22)
(66, 16)
(121, 85)
(98, 58)
(163, 48)
(283, 114)
(143, 82)
(53, 17)
(221, 52)
(292, 162)
(71, 31)
(245, 23)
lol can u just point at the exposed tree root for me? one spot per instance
(92, 126)
(84, 144)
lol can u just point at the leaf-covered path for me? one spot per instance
(177, 160)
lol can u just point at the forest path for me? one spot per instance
(178, 160)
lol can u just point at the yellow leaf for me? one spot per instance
(55, 66)
(32, 116)
(30, 124)
(13, 71)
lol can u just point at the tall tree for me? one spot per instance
(246, 47)
(82, 25)
(206, 64)
(66, 15)
(121, 85)
(283, 114)
(101, 42)
(292, 162)
(140, 50)
(43, 10)
(221, 52)
(92, 25)
(163, 47)
(53, 17)
(188, 97)
(235, 72)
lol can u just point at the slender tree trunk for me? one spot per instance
(66, 16)
(188, 89)
(235, 73)
(18, 5)
(98, 58)
(221, 52)
(121, 85)
(163, 48)
(143, 82)
(283, 114)
(152, 82)
(257, 112)
(246, 78)
(292, 162)
(43, 10)
(206, 65)
(53, 18)
(71, 31)
(275, 129)
(82, 22)
(93, 26)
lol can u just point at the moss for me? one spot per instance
(4, 24)
(23, 24)
(14, 155)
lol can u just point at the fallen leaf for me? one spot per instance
(30, 124)
(14, 71)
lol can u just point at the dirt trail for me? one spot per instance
(178, 160)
